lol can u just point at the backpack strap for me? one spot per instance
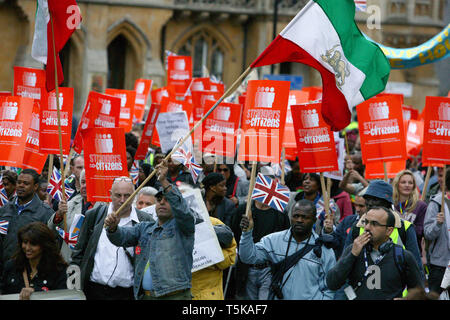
(400, 262)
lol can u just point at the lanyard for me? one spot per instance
(401, 208)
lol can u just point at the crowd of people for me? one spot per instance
(379, 240)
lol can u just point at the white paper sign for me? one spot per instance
(207, 250)
(340, 150)
(172, 126)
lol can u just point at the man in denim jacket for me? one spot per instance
(163, 249)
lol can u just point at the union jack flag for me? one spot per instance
(3, 196)
(4, 226)
(320, 208)
(71, 237)
(361, 5)
(54, 186)
(134, 172)
(185, 156)
(270, 192)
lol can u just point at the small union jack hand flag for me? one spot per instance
(134, 172)
(270, 192)
(54, 186)
(185, 156)
(3, 196)
(4, 226)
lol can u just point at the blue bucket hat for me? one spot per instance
(379, 189)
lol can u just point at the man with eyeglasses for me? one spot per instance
(107, 270)
(379, 194)
(164, 258)
(370, 264)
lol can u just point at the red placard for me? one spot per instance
(263, 120)
(104, 160)
(289, 143)
(179, 73)
(409, 113)
(198, 101)
(375, 170)
(48, 127)
(101, 111)
(174, 105)
(315, 140)
(142, 87)
(14, 123)
(30, 83)
(315, 93)
(127, 100)
(200, 84)
(436, 139)
(147, 134)
(414, 137)
(158, 94)
(217, 86)
(220, 128)
(32, 158)
(381, 129)
(385, 94)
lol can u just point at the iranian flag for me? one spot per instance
(324, 36)
(65, 15)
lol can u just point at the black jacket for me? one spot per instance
(35, 211)
(12, 280)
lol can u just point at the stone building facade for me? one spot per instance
(122, 40)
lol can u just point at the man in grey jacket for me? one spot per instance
(23, 209)
(437, 230)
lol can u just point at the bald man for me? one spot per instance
(107, 271)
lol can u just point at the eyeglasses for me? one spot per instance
(126, 179)
(373, 223)
(223, 169)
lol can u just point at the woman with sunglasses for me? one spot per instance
(37, 264)
(237, 188)
(407, 202)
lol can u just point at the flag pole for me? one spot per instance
(50, 168)
(233, 87)
(283, 156)
(58, 108)
(250, 189)
(385, 171)
(443, 189)
(425, 185)
(324, 195)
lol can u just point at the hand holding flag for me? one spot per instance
(185, 156)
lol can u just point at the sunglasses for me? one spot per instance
(126, 179)
(223, 170)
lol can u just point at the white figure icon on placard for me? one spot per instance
(379, 111)
(140, 88)
(180, 64)
(123, 99)
(444, 111)
(265, 96)
(52, 101)
(310, 118)
(35, 121)
(106, 106)
(9, 110)
(223, 113)
(30, 79)
(103, 143)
